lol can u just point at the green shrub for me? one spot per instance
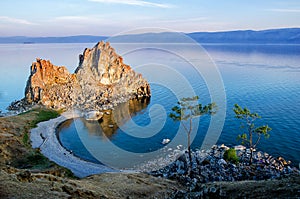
(35, 116)
(33, 160)
(44, 115)
(230, 155)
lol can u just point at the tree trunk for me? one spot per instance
(251, 146)
(189, 149)
(251, 155)
(190, 155)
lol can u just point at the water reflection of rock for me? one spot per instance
(65, 124)
(112, 119)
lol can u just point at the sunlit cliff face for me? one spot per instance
(100, 79)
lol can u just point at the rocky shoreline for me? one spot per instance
(210, 166)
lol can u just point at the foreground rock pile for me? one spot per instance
(101, 81)
(209, 166)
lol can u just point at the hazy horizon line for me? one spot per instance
(221, 31)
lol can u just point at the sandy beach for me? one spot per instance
(44, 137)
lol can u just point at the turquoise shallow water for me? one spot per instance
(265, 78)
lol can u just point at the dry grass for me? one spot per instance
(15, 146)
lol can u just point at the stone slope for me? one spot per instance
(101, 81)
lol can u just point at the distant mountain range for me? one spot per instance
(286, 36)
(273, 36)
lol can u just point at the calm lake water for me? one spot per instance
(265, 78)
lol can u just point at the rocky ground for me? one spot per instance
(269, 189)
(209, 166)
(23, 184)
(25, 173)
(210, 175)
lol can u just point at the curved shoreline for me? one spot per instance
(69, 151)
(44, 137)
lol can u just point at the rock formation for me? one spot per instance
(52, 86)
(101, 81)
(105, 79)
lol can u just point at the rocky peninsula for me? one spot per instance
(101, 81)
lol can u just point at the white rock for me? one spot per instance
(259, 154)
(224, 147)
(239, 147)
(222, 161)
(93, 115)
(165, 141)
(177, 151)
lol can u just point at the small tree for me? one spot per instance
(188, 109)
(251, 135)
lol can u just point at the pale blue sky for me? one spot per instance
(110, 17)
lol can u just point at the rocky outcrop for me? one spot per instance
(105, 80)
(101, 81)
(52, 86)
